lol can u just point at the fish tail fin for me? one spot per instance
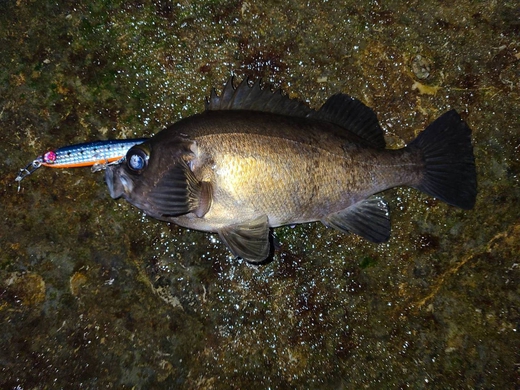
(449, 165)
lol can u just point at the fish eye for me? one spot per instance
(137, 159)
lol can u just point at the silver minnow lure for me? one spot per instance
(94, 154)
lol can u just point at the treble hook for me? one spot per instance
(28, 170)
(102, 166)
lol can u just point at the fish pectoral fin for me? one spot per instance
(368, 218)
(205, 198)
(180, 192)
(248, 240)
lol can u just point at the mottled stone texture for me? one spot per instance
(95, 295)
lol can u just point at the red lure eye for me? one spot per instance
(49, 157)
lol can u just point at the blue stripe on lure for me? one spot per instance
(97, 153)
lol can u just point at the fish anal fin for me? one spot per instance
(248, 240)
(368, 218)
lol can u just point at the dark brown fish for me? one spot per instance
(255, 159)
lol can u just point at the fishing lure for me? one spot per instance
(96, 154)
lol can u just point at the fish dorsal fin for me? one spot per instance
(256, 98)
(340, 109)
(353, 115)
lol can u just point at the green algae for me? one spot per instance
(94, 294)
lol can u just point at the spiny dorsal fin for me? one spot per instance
(256, 98)
(340, 109)
(353, 115)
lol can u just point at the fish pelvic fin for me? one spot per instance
(369, 218)
(449, 172)
(248, 240)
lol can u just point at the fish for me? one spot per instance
(256, 159)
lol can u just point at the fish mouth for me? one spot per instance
(118, 182)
